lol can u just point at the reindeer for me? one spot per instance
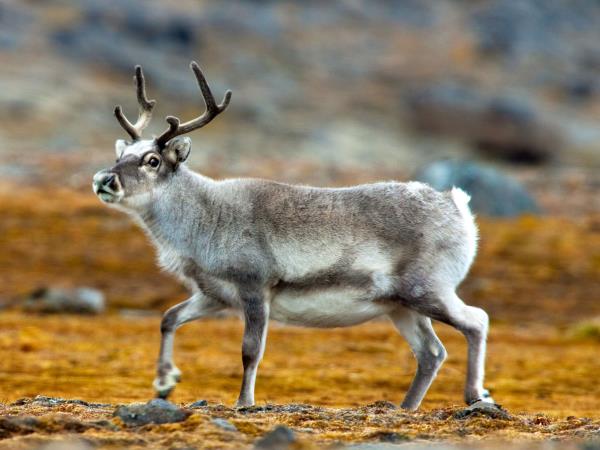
(318, 257)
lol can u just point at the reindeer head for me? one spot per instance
(143, 165)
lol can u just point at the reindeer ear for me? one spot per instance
(177, 149)
(120, 147)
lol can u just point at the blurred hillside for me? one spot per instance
(336, 92)
(333, 93)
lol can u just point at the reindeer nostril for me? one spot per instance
(109, 182)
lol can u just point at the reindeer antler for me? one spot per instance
(212, 110)
(145, 108)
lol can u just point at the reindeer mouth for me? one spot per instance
(106, 187)
(106, 196)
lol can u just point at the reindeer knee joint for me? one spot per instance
(431, 358)
(168, 322)
(250, 352)
(442, 356)
(477, 323)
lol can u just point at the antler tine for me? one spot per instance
(145, 108)
(176, 128)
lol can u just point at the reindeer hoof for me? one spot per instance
(244, 404)
(164, 393)
(162, 390)
(486, 397)
(165, 385)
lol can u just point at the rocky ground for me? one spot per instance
(74, 424)
(328, 388)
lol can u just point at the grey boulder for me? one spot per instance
(156, 411)
(492, 192)
(83, 300)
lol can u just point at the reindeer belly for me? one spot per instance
(327, 308)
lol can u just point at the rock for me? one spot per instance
(116, 33)
(512, 129)
(506, 127)
(492, 192)
(382, 405)
(223, 424)
(491, 410)
(57, 423)
(581, 88)
(82, 300)
(198, 404)
(54, 401)
(155, 411)
(280, 438)
(15, 24)
(533, 29)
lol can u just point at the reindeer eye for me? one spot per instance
(154, 162)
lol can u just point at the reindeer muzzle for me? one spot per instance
(107, 186)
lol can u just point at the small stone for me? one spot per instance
(155, 411)
(82, 300)
(198, 404)
(480, 408)
(55, 401)
(382, 405)
(280, 438)
(161, 403)
(224, 424)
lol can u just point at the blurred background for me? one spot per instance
(499, 97)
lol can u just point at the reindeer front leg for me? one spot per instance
(197, 306)
(256, 317)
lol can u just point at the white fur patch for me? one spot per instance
(327, 308)
(461, 200)
(414, 186)
(138, 148)
(382, 284)
(298, 260)
(370, 258)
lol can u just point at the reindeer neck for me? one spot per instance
(179, 213)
